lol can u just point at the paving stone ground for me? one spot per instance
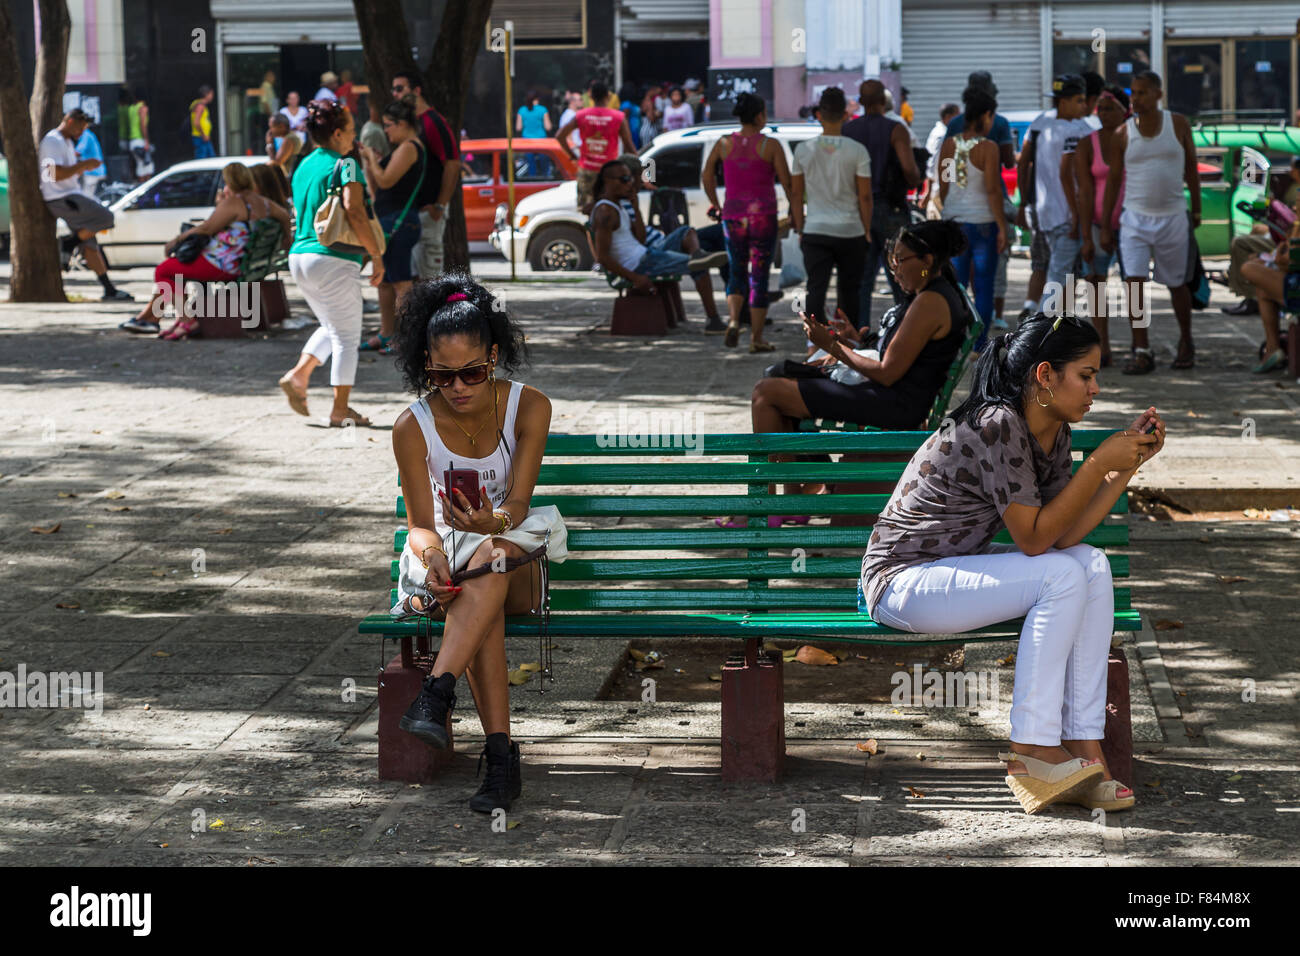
(214, 553)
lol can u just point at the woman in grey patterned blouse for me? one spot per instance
(1004, 459)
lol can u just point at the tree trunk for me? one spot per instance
(36, 272)
(387, 46)
(460, 36)
(51, 66)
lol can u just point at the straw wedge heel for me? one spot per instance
(1049, 783)
(1104, 795)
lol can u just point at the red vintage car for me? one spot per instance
(539, 164)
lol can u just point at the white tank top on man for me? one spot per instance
(1153, 170)
(623, 244)
(494, 469)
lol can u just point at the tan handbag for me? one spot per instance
(333, 230)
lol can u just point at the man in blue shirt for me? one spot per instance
(88, 148)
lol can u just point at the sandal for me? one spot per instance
(354, 416)
(1142, 362)
(1044, 784)
(297, 400)
(732, 338)
(377, 343)
(1275, 360)
(1184, 359)
(776, 521)
(761, 347)
(1105, 795)
(182, 329)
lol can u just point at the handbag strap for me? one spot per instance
(401, 218)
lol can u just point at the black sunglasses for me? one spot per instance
(1072, 319)
(469, 374)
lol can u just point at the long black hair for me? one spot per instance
(425, 316)
(1005, 370)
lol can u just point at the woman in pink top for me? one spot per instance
(1090, 172)
(751, 164)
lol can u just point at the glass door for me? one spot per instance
(1263, 76)
(251, 94)
(1194, 78)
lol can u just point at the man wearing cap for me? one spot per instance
(1153, 155)
(1054, 188)
(329, 82)
(60, 169)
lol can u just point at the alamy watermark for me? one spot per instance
(212, 300)
(921, 688)
(50, 689)
(656, 428)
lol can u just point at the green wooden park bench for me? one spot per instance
(262, 261)
(643, 565)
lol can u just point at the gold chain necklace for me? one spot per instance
(481, 426)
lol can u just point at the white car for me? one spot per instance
(152, 214)
(551, 235)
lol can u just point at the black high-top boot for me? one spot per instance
(427, 716)
(502, 784)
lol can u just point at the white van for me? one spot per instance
(550, 234)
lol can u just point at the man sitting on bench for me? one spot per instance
(621, 247)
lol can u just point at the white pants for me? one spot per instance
(427, 258)
(1068, 603)
(332, 288)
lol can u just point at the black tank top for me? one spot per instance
(922, 382)
(391, 200)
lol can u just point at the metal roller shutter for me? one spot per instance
(944, 43)
(1214, 19)
(1122, 21)
(663, 19)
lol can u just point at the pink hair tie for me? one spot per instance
(457, 296)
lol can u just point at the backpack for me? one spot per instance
(668, 209)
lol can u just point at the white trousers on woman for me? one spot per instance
(1068, 603)
(332, 289)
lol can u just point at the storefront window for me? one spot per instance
(1125, 59)
(1263, 74)
(1194, 85)
(252, 94)
(1074, 58)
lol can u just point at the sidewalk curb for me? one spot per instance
(1157, 680)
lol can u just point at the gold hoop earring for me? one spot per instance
(1038, 398)
(924, 273)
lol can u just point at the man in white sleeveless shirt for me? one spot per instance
(623, 248)
(1152, 154)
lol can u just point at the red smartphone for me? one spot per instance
(466, 481)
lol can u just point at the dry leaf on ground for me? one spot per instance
(868, 746)
(50, 530)
(115, 494)
(815, 656)
(913, 792)
(1231, 578)
(520, 677)
(530, 666)
(1164, 624)
(68, 607)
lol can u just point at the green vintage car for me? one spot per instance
(1239, 162)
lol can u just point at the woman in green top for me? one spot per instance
(329, 279)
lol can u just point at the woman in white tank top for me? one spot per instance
(450, 342)
(970, 189)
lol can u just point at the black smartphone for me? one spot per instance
(466, 481)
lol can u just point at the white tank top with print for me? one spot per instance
(493, 470)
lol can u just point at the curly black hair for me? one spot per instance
(425, 315)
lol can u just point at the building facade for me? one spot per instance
(1234, 61)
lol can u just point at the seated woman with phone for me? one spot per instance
(893, 386)
(931, 566)
(469, 450)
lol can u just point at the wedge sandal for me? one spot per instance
(1105, 796)
(1049, 783)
